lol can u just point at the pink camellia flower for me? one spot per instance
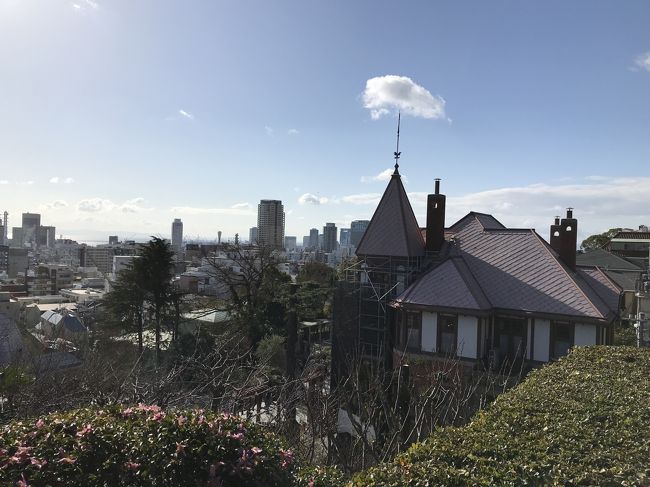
(68, 460)
(131, 465)
(181, 420)
(84, 431)
(40, 423)
(311, 483)
(159, 416)
(287, 457)
(38, 463)
(236, 436)
(180, 447)
(23, 481)
(127, 413)
(256, 450)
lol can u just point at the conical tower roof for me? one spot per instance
(393, 230)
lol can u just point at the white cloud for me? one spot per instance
(312, 199)
(269, 130)
(386, 94)
(97, 205)
(57, 179)
(25, 183)
(187, 115)
(362, 199)
(642, 61)
(190, 210)
(599, 205)
(92, 4)
(293, 132)
(94, 205)
(4, 181)
(241, 206)
(382, 176)
(55, 205)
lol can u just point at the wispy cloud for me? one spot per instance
(269, 130)
(642, 61)
(55, 205)
(185, 114)
(312, 199)
(390, 93)
(99, 205)
(241, 206)
(599, 204)
(190, 210)
(293, 132)
(4, 181)
(25, 183)
(382, 176)
(362, 199)
(57, 180)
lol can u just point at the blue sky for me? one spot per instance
(117, 116)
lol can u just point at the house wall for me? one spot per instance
(542, 340)
(467, 336)
(429, 331)
(529, 339)
(584, 335)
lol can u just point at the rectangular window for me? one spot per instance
(413, 330)
(510, 337)
(447, 333)
(561, 338)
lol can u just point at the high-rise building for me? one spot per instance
(305, 241)
(357, 229)
(313, 238)
(290, 243)
(344, 239)
(270, 224)
(113, 240)
(252, 236)
(31, 220)
(177, 237)
(329, 237)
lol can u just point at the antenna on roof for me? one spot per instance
(397, 153)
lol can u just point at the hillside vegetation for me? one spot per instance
(584, 420)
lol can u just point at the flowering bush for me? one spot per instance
(144, 445)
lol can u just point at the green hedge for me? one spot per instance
(584, 420)
(144, 445)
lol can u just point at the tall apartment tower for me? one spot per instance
(329, 237)
(252, 236)
(177, 237)
(357, 229)
(31, 223)
(270, 223)
(313, 238)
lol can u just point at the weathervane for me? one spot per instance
(397, 153)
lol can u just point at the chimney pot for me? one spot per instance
(569, 212)
(437, 185)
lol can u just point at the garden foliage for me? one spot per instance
(145, 445)
(584, 420)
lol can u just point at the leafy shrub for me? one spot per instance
(144, 445)
(584, 420)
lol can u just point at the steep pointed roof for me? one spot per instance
(393, 230)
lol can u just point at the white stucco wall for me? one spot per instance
(429, 331)
(542, 339)
(529, 338)
(467, 336)
(584, 335)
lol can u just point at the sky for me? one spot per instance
(117, 116)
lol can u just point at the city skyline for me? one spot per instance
(131, 115)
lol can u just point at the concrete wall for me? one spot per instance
(429, 331)
(467, 336)
(542, 340)
(584, 335)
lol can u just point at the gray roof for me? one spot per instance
(513, 269)
(393, 230)
(606, 261)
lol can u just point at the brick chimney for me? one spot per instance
(568, 239)
(555, 240)
(435, 233)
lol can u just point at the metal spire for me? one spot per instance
(397, 153)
